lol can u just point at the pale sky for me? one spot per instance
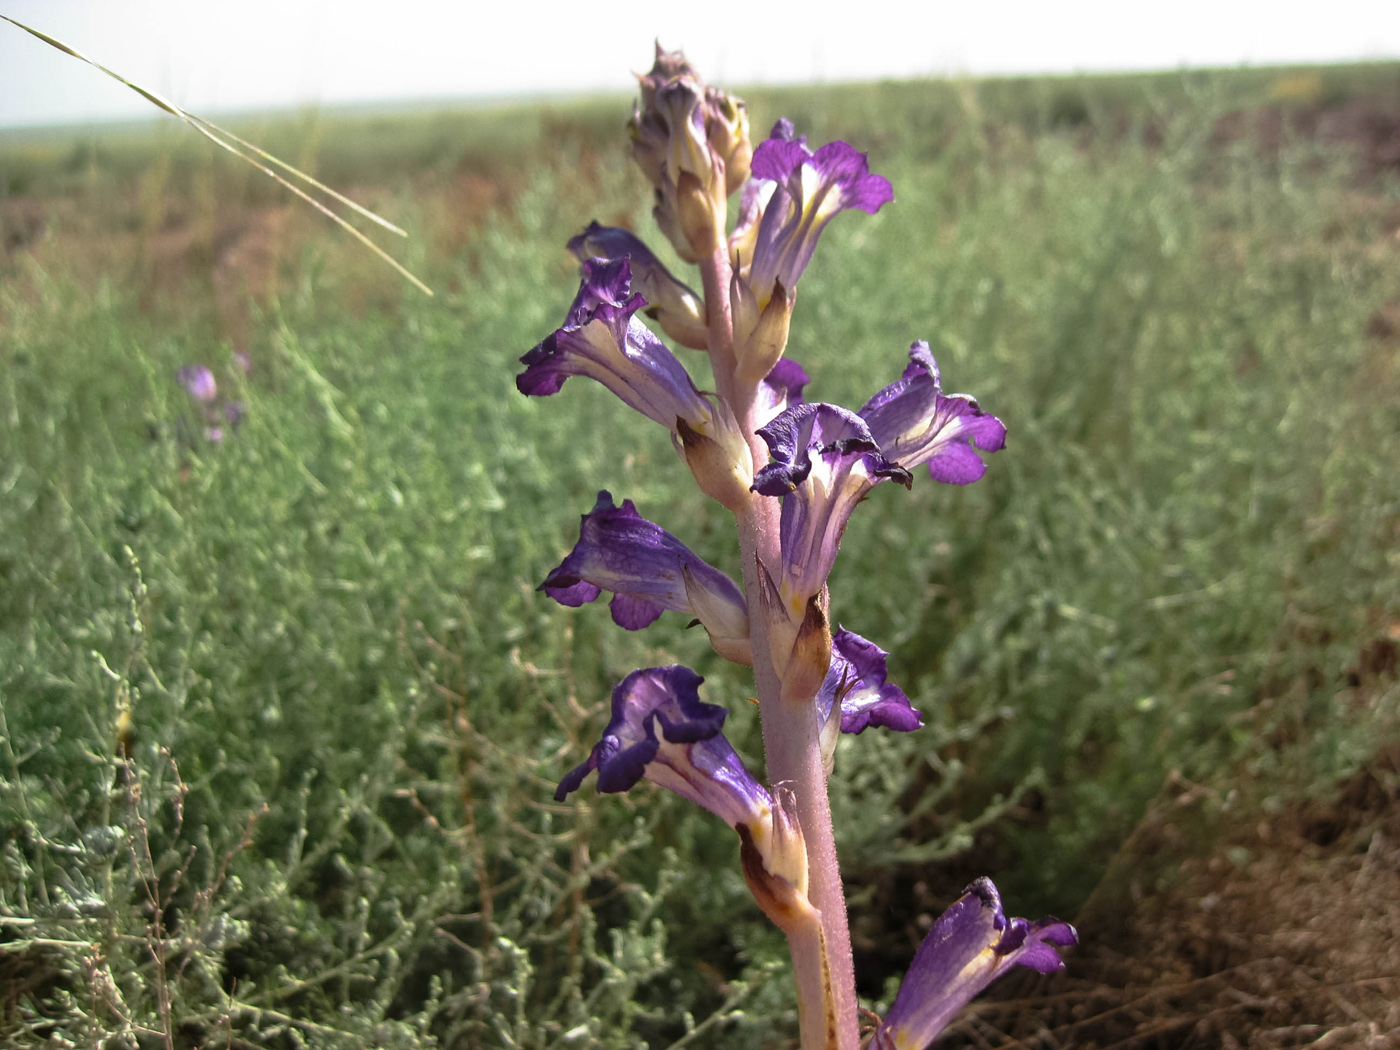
(213, 56)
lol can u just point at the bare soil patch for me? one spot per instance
(1224, 925)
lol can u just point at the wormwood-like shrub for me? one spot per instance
(272, 770)
(1173, 565)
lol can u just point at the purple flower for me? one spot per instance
(602, 339)
(812, 188)
(914, 422)
(199, 383)
(825, 462)
(782, 389)
(662, 731)
(649, 570)
(857, 680)
(607, 282)
(752, 203)
(680, 312)
(970, 946)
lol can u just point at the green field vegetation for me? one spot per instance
(282, 716)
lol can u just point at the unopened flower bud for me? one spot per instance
(810, 657)
(774, 858)
(700, 211)
(760, 329)
(692, 142)
(720, 460)
(727, 128)
(650, 126)
(679, 110)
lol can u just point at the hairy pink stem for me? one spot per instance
(791, 746)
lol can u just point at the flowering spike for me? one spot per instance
(970, 946)
(692, 143)
(648, 570)
(915, 423)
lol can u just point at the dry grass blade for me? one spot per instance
(220, 137)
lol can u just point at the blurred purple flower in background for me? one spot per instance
(199, 383)
(203, 389)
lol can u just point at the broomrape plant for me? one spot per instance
(791, 472)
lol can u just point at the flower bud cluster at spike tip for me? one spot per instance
(649, 570)
(692, 142)
(970, 946)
